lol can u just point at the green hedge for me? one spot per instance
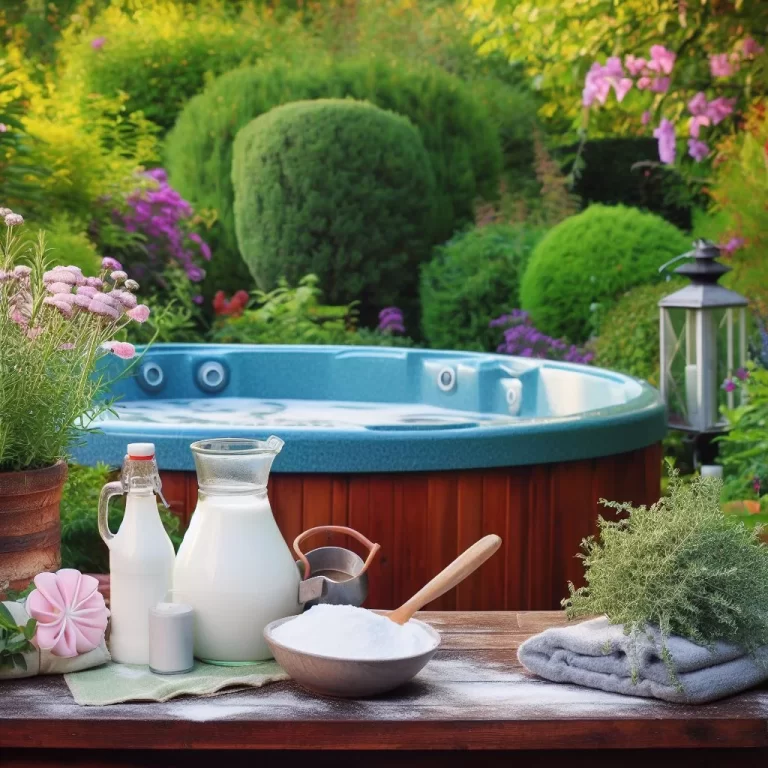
(629, 333)
(457, 133)
(592, 258)
(471, 280)
(337, 188)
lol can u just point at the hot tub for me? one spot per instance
(423, 451)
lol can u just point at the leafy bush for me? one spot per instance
(522, 339)
(338, 188)
(592, 258)
(744, 448)
(629, 333)
(288, 316)
(160, 54)
(680, 565)
(608, 173)
(473, 278)
(461, 141)
(68, 243)
(81, 545)
(740, 189)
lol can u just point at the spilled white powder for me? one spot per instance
(346, 632)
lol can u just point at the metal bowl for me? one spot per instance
(348, 678)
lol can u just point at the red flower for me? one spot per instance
(233, 307)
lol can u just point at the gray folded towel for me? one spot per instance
(597, 654)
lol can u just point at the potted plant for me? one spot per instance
(55, 326)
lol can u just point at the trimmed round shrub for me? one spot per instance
(629, 333)
(337, 188)
(458, 135)
(471, 280)
(592, 258)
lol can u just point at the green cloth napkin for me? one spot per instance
(118, 683)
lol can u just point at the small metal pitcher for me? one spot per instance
(333, 575)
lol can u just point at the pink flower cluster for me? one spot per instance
(705, 113)
(652, 73)
(600, 79)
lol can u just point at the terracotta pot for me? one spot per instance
(30, 528)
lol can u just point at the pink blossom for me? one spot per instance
(635, 65)
(126, 298)
(729, 385)
(660, 84)
(122, 349)
(644, 83)
(58, 288)
(665, 133)
(118, 276)
(718, 109)
(732, 245)
(695, 124)
(33, 333)
(83, 301)
(646, 117)
(3, 127)
(98, 43)
(21, 272)
(722, 65)
(139, 313)
(66, 347)
(99, 308)
(86, 290)
(70, 612)
(596, 87)
(109, 263)
(14, 220)
(4, 212)
(698, 104)
(750, 47)
(94, 282)
(662, 60)
(742, 374)
(698, 150)
(60, 275)
(64, 307)
(621, 88)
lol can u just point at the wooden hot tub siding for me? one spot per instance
(424, 519)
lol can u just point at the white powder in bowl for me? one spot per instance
(346, 632)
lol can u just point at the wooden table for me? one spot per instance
(473, 696)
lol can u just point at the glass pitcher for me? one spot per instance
(233, 567)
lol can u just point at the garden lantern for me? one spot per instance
(703, 343)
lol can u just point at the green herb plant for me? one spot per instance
(680, 565)
(15, 640)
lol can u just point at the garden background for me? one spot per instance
(500, 175)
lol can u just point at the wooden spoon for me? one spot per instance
(465, 564)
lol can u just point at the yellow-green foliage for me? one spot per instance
(68, 244)
(87, 146)
(160, 53)
(740, 191)
(680, 565)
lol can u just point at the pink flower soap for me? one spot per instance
(70, 612)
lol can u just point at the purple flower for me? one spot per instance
(646, 117)
(198, 299)
(722, 65)
(729, 385)
(110, 264)
(756, 484)
(98, 43)
(14, 220)
(698, 150)
(391, 321)
(600, 80)
(660, 84)
(521, 338)
(718, 109)
(665, 133)
(742, 374)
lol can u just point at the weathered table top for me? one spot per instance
(473, 695)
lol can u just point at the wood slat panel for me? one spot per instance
(423, 520)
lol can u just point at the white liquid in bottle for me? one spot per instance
(141, 556)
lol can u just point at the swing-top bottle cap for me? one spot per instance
(141, 451)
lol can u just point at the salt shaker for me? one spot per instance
(171, 635)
